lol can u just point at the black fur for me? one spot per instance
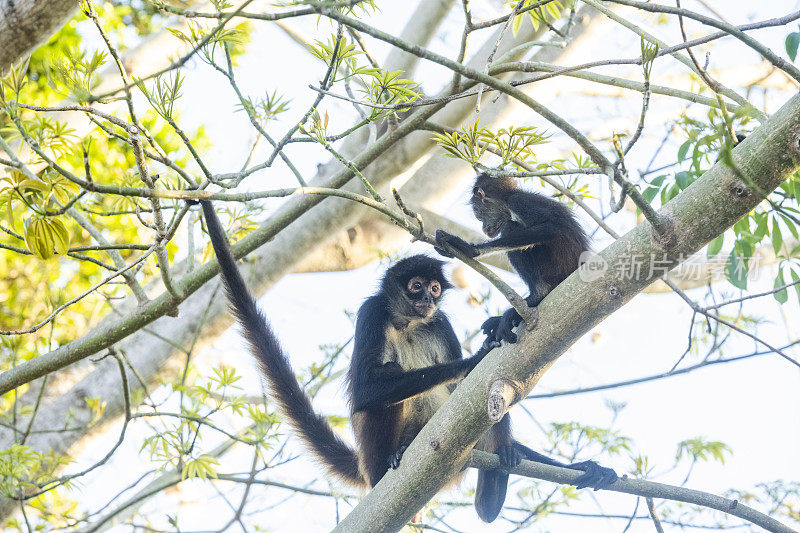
(406, 361)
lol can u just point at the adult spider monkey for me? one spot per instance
(406, 361)
(542, 239)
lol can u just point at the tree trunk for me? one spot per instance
(25, 24)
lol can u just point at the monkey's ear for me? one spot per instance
(478, 193)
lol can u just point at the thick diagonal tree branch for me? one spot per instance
(26, 24)
(704, 210)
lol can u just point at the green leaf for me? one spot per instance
(715, 246)
(60, 236)
(736, 270)
(789, 223)
(658, 181)
(9, 211)
(683, 150)
(745, 248)
(792, 42)
(668, 193)
(795, 278)
(650, 193)
(515, 25)
(782, 295)
(683, 179)
(742, 226)
(761, 226)
(777, 238)
(698, 449)
(46, 236)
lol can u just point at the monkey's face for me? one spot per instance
(424, 295)
(492, 213)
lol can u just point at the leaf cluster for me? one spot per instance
(512, 144)
(342, 55)
(538, 16)
(699, 449)
(388, 88)
(707, 142)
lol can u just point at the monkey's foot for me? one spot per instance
(509, 456)
(487, 346)
(595, 476)
(394, 459)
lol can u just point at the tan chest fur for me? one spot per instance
(413, 347)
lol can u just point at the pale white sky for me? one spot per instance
(752, 406)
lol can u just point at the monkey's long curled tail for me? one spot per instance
(339, 457)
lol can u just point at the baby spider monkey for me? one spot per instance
(541, 237)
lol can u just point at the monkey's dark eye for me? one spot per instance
(415, 285)
(436, 289)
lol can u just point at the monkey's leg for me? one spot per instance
(397, 455)
(595, 476)
(490, 493)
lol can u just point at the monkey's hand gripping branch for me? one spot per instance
(450, 245)
(501, 328)
(496, 328)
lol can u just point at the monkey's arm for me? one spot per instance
(514, 236)
(388, 384)
(442, 325)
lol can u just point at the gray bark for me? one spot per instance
(25, 24)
